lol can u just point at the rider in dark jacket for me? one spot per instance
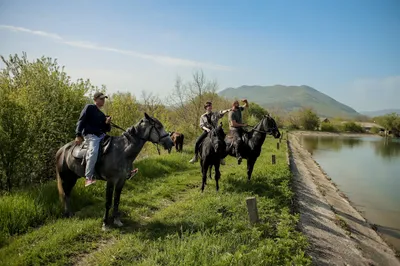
(92, 126)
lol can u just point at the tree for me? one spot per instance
(388, 121)
(309, 120)
(187, 101)
(257, 111)
(47, 105)
(12, 134)
(123, 108)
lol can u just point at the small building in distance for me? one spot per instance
(368, 126)
(324, 120)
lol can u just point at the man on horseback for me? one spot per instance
(236, 126)
(208, 121)
(92, 126)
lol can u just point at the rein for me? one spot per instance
(116, 126)
(261, 131)
(148, 138)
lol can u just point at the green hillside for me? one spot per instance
(291, 98)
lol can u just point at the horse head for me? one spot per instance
(217, 136)
(151, 129)
(269, 126)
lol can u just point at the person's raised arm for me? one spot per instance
(246, 104)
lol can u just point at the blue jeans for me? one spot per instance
(92, 153)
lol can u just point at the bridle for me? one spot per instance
(150, 130)
(272, 129)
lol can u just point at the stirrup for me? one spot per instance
(133, 173)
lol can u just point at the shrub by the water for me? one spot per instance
(352, 127)
(328, 127)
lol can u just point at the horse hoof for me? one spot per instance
(118, 222)
(104, 227)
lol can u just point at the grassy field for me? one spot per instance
(168, 221)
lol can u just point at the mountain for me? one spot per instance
(380, 112)
(291, 98)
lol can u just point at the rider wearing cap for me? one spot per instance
(208, 121)
(92, 126)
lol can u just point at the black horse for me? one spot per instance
(212, 149)
(252, 142)
(114, 166)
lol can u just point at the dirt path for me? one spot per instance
(338, 234)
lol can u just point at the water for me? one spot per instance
(367, 170)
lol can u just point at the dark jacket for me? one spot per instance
(92, 121)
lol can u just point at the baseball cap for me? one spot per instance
(99, 95)
(207, 104)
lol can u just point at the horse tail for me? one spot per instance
(59, 181)
(210, 170)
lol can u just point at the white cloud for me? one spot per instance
(166, 60)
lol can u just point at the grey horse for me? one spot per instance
(114, 165)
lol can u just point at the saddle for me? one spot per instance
(79, 151)
(245, 137)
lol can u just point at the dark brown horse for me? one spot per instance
(114, 166)
(177, 138)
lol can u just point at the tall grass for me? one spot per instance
(168, 221)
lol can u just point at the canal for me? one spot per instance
(367, 170)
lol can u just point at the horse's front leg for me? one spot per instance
(217, 174)
(109, 194)
(250, 167)
(204, 168)
(117, 197)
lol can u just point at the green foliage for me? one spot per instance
(123, 108)
(37, 116)
(256, 110)
(389, 121)
(329, 127)
(308, 119)
(375, 130)
(352, 127)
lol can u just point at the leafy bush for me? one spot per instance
(328, 127)
(309, 120)
(375, 130)
(352, 127)
(41, 106)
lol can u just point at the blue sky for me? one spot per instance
(346, 49)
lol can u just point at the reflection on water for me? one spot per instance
(387, 148)
(384, 147)
(367, 170)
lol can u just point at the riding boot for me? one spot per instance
(194, 159)
(239, 158)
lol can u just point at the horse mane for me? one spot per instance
(131, 130)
